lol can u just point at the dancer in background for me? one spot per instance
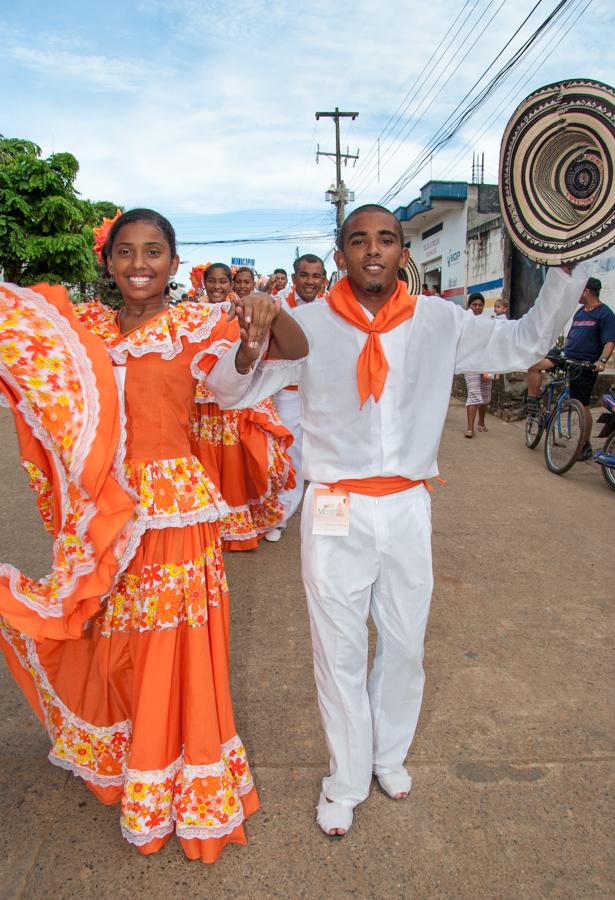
(308, 277)
(123, 650)
(243, 282)
(243, 451)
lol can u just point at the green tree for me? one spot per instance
(45, 227)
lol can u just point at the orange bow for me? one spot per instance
(372, 365)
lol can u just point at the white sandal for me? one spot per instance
(330, 815)
(394, 783)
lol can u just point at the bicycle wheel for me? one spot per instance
(609, 471)
(534, 427)
(564, 438)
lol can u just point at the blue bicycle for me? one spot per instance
(561, 416)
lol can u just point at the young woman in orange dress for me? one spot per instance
(122, 650)
(244, 451)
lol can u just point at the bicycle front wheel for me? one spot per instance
(534, 427)
(609, 471)
(564, 438)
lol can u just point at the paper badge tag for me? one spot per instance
(331, 512)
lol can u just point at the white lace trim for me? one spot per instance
(246, 536)
(234, 743)
(100, 731)
(85, 773)
(139, 840)
(200, 832)
(211, 831)
(169, 348)
(4, 400)
(280, 363)
(217, 349)
(155, 776)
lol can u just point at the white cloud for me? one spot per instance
(220, 115)
(82, 69)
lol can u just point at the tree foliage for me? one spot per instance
(45, 227)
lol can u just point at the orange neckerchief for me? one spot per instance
(372, 365)
(291, 299)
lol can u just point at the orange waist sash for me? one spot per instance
(378, 486)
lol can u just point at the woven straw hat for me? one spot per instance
(414, 279)
(557, 191)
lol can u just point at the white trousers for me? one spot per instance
(383, 566)
(289, 410)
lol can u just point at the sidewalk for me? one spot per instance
(513, 758)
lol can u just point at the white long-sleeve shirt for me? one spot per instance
(400, 434)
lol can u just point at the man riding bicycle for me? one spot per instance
(591, 339)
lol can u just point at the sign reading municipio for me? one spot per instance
(241, 261)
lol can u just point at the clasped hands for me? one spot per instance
(255, 314)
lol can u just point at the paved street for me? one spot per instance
(513, 759)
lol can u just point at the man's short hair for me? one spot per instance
(594, 286)
(280, 272)
(308, 258)
(475, 296)
(368, 207)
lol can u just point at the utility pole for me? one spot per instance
(338, 194)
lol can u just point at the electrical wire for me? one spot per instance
(411, 93)
(442, 136)
(518, 89)
(418, 113)
(268, 239)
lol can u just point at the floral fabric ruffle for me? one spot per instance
(52, 372)
(245, 451)
(161, 334)
(174, 492)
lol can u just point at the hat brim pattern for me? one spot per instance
(414, 279)
(557, 191)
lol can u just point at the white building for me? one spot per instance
(454, 232)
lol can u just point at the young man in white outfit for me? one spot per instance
(307, 279)
(375, 389)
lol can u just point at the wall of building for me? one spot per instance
(484, 260)
(443, 250)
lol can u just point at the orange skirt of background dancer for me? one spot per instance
(245, 453)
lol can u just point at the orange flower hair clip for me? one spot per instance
(101, 233)
(196, 275)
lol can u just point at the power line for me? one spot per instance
(411, 92)
(483, 74)
(268, 239)
(519, 87)
(442, 136)
(407, 128)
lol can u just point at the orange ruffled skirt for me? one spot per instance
(244, 451)
(139, 706)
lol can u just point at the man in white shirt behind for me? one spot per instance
(375, 389)
(307, 282)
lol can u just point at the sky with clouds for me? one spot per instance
(205, 110)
